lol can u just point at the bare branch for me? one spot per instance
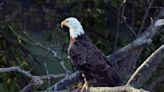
(117, 29)
(160, 50)
(145, 16)
(45, 65)
(159, 23)
(36, 81)
(17, 69)
(116, 89)
(67, 81)
(124, 19)
(45, 77)
(28, 74)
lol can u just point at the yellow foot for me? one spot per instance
(85, 85)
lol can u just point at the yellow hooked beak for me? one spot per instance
(63, 23)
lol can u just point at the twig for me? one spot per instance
(117, 29)
(154, 54)
(128, 26)
(48, 75)
(145, 16)
(124, 19)
(45, 77)
(63, 66)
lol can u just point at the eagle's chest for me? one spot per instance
(77, 52)
(71, 44)
(77, 49)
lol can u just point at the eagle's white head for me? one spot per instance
(75, 27)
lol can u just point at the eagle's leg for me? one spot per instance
(85, 85)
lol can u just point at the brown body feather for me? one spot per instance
(88, 59)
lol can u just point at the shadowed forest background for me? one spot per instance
(31, 37)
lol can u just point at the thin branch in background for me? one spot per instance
(128, 26)
(44, 47)
(123, 18)
(48, 75)
(23, 26)
(117, 29)
(44, 77)
(145, 16)
(46, 69)
(149, 59)
(63, 66)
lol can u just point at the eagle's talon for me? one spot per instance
(85, 85)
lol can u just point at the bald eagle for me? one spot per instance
(87, 58)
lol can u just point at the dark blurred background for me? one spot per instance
(27, 26)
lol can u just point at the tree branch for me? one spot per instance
(145, 16)
(17, 69)
(28, 74)
(69, 79)
(116, 89)
(36, 81)
(108, 89)
(156, 53)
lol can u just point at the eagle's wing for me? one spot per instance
(87, 58)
